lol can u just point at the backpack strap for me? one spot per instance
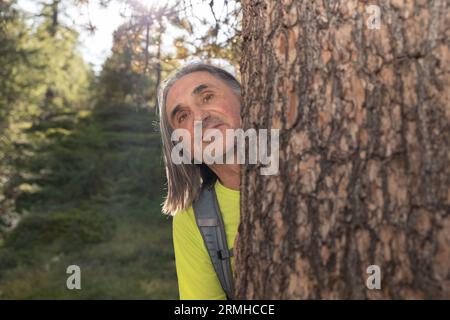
(210, 223)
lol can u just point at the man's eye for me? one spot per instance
(182, 117)
(208, 97)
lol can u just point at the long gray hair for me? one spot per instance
(184, 181)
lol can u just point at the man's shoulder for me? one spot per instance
(186, 235)
(184, 221)
(184, 215)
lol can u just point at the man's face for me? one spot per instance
(199, 96)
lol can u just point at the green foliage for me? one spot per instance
(65, 83)
(12, 34)
(96, 204)
(65, 231)
(125, 76)
(88, 181)
(42, 75)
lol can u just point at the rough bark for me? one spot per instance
(364, 175)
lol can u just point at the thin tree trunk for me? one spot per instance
(55, 17)
(147, 44)
(158, 62)
(364, 176)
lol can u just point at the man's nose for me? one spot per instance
(200, 115)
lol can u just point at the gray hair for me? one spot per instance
(184, 181)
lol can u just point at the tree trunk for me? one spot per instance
(158, 62)
(55, 14)
(364, 175)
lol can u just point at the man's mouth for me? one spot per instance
(214, 126)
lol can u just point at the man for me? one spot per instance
(199, 92)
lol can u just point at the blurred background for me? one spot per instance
(81, 172)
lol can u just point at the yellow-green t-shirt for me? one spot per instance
(196, 276)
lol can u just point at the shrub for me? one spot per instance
(66, 231)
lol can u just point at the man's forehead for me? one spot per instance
(184, 86)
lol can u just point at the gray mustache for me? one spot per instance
(210, 122)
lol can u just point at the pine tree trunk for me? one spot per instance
(55, 17)
(364, 119)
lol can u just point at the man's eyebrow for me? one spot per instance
(201, 87)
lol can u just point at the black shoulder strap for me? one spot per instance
(210, 223)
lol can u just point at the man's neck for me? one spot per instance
(229, 175)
